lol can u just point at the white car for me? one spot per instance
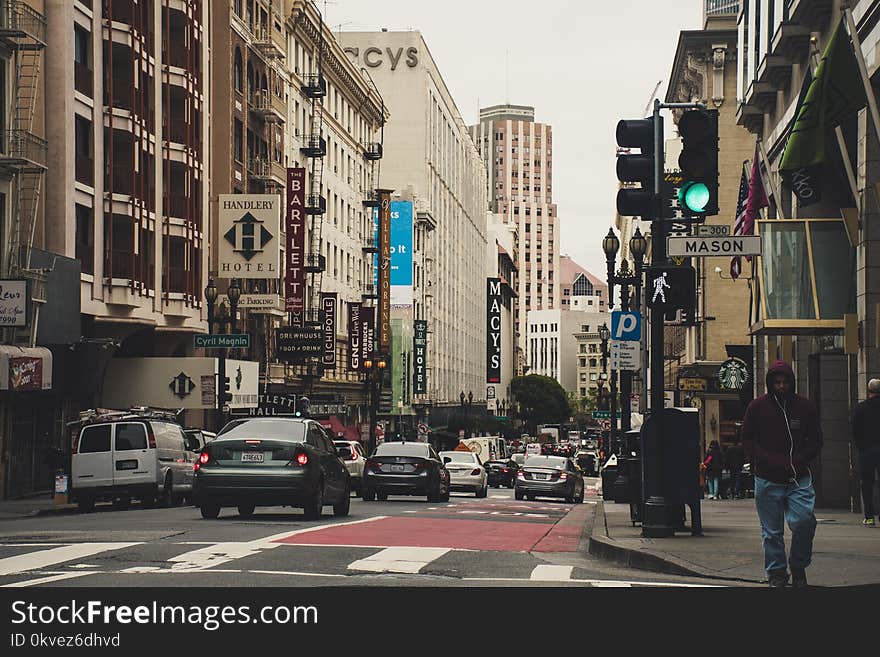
(466, 472)
(354, 456)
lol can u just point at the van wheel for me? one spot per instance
(167, 498)
(86, 504)
(210, 510)
(246, 510)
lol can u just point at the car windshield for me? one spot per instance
(545, 462)
(402, 449)
(459, 457)
(293, 430)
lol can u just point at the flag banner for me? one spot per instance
(804, 181)
(739, 221)
(835, 93)
(756, 199)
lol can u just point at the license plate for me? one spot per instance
(396, 468)
(127, 465)
(252, 457)
(542, 476)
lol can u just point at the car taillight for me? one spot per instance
(419, 465)
(204, 457)
(505, 469)
(475, 471)
(563, 476)
(521, 474)
(302, 458)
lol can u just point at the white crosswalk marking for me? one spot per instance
(43, 558)
(399, 560)
(42, 580)
(551, 573)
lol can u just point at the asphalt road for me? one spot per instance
(469, 542)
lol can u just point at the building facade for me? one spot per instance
(553, 347)
(431, 156)
(517, 152)
(826, 321)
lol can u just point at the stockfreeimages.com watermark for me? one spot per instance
(210, 617)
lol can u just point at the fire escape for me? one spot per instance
(314, 147)
(22, 153)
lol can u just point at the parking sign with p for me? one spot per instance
(626, 326)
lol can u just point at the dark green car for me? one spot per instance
(271, 462)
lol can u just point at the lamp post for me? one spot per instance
(221, 319)
(374, 367)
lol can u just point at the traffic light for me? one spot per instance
(227, 392)
(636, 168)
(672, 288)
(302, 406)
(698, 162)
(385, 401)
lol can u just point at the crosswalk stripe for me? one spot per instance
(551, 573)
(42, 558)
(399, 560)
(42, 580)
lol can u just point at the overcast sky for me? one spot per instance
(582, 64)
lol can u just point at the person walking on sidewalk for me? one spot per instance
(735, 461)
(714, 467)
(781, 436)
(866, 436)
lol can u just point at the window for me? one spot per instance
(582, 362)
(585, 328)
(130, 436)
(237, 141)
(85, 245)
(593, 362)
(94, 439)
(169, 437)
(83, 137)
(238, 72)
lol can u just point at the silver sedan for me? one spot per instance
(466, 472)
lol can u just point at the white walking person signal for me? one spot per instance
(659, 284)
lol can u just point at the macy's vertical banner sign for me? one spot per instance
(493, 330)
(354, 337)
(328, 323)
(420, 356)
(295, 225)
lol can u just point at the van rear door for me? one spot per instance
(133, 461)
(92, 464)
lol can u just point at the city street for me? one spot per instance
(405, 541)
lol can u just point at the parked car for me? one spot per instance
(405, 468)
(354, 456)
(278, 461)
(502, 472)
(549, 476)
(140, 454)
(466, 472)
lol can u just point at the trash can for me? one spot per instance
(609, 476)
(626, 468)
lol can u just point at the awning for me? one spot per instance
(337, 428)
(25, 368)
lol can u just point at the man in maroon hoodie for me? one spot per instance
(781, 436)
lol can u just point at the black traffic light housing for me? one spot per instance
(227, 391)
(698, 163)
(302, 406)
(636, 168)
(678, 290)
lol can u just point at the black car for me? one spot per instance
(549, 476)
(501, 473)
(271, 462)
(405, 468)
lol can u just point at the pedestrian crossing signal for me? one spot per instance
(672, 288)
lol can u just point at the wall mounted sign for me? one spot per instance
(295, 230)
(249, 227)
(494, 303)
(14, 303)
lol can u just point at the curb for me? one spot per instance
(49, 511)
(603, 546)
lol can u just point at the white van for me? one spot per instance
(120, 456)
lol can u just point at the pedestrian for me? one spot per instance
(781, 436)
(866, 436)
(714, 466)
(735, 461)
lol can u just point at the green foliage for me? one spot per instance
(541, 399)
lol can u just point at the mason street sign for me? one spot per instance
(222, 341)
(739, 245)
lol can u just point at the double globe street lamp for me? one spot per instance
(222, 319)
(374, 366)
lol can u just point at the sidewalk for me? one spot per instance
(845, 553)
(37, 505)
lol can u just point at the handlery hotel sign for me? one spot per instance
(494, 302)
(249, 225)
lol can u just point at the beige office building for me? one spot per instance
(517, 152)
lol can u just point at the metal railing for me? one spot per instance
(24, 145)
(722, 7)
(18, 19)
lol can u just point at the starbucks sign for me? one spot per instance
(734, 374)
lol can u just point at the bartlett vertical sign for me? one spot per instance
(493, 330)
(295, 225)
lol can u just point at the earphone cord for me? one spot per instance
(791, 450)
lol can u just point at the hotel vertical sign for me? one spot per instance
(420, 356)
(328, 324)
(383, 319)
(493, 330)
(295, 225)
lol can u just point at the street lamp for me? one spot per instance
(233, 294)
(374, 367)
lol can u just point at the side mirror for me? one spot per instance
(447, 459)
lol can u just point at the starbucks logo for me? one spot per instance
(734, 374)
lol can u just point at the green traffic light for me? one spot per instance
(694, 196)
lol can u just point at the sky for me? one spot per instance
(582, 64)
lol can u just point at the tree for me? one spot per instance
(541, 400)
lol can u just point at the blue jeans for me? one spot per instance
(791, 503)
(713, 486)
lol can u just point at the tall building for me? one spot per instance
(431, 158)
(517, 152)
